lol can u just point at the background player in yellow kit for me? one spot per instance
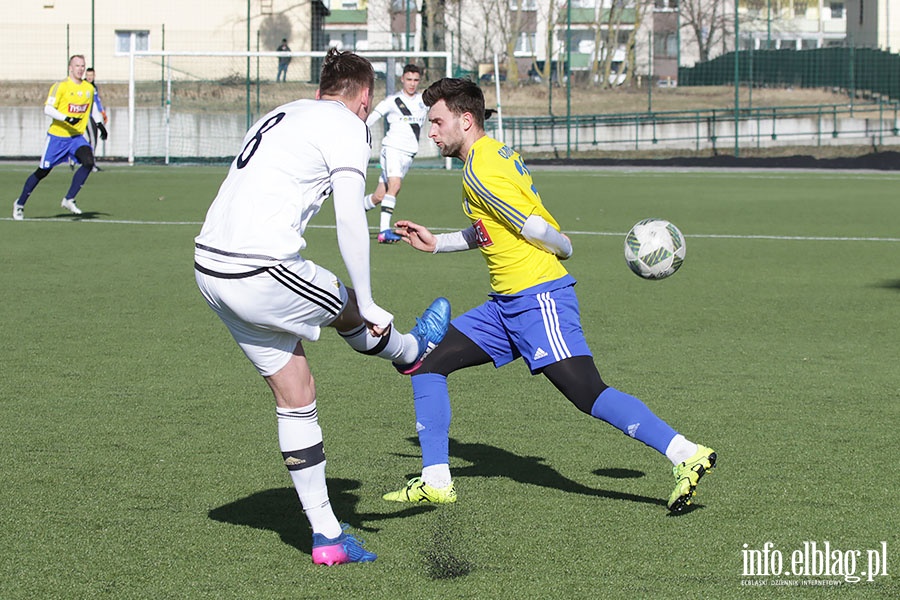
(69, 104)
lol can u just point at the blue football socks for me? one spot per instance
(432, 404)
(632, 417)
(30, 184)
(78, 180)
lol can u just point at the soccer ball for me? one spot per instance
(654, 249)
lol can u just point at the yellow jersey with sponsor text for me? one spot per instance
(498, 196)
(73, 100)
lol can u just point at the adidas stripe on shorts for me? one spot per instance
(541, 324)
(269, 309)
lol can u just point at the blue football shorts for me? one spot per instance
(57, 150)
(541, 324)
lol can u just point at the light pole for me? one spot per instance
(737, 80)
(568, 78)
(93, 58)
(247, 91)
(459, 34)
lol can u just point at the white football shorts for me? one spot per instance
(395, 163)
(268, 310)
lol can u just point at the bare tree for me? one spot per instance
(478, 17)
(512, 24)
(608, 44)
(707, 22)
(510, 27)
(641, 9)
(434, 30)
(551, 17)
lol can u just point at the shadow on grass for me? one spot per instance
(491, 461)
(892, 284)
(279, 510)
(87, 215)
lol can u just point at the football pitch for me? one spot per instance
(139, 448)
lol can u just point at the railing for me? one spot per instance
(826, 124)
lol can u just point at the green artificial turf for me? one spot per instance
(139, 449)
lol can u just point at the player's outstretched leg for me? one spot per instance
(343, 549)
(688, 475)
(430, 329)
(404, 350)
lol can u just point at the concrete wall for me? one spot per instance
(205, 136)
(190, 135)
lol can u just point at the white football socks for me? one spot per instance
(437, 476)
(367, 202)
(387, 211)
(401, 348)
(680, 449)
(298, 429)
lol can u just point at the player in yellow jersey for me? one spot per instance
(532, 312)
(69, 104)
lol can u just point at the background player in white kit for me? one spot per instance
(248, 267)
(405, 114)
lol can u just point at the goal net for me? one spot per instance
(196, 107)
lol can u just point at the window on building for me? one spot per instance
(402, 5)
(525, 44)
(348, 40)
(665, 45)
(800, 7)
(523, 4)
(837, 10)
(400, 41)
(665, 4)
(582, 41)
(141, 40)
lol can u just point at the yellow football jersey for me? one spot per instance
(73, 100)
(498, 195)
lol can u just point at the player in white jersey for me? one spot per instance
(405, 115)
(249, 268)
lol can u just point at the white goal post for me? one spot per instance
(153, 73)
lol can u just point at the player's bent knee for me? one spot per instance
(578, 379)
(455, 352)
(85, 156)
(41, 173)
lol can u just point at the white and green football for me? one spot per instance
(654, 249)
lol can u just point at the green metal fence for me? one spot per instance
(857, 70)
(706, 130)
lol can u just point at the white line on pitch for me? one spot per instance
(725, 236)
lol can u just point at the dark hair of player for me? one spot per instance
(345, 74)
(411, 68)
(460, 95)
